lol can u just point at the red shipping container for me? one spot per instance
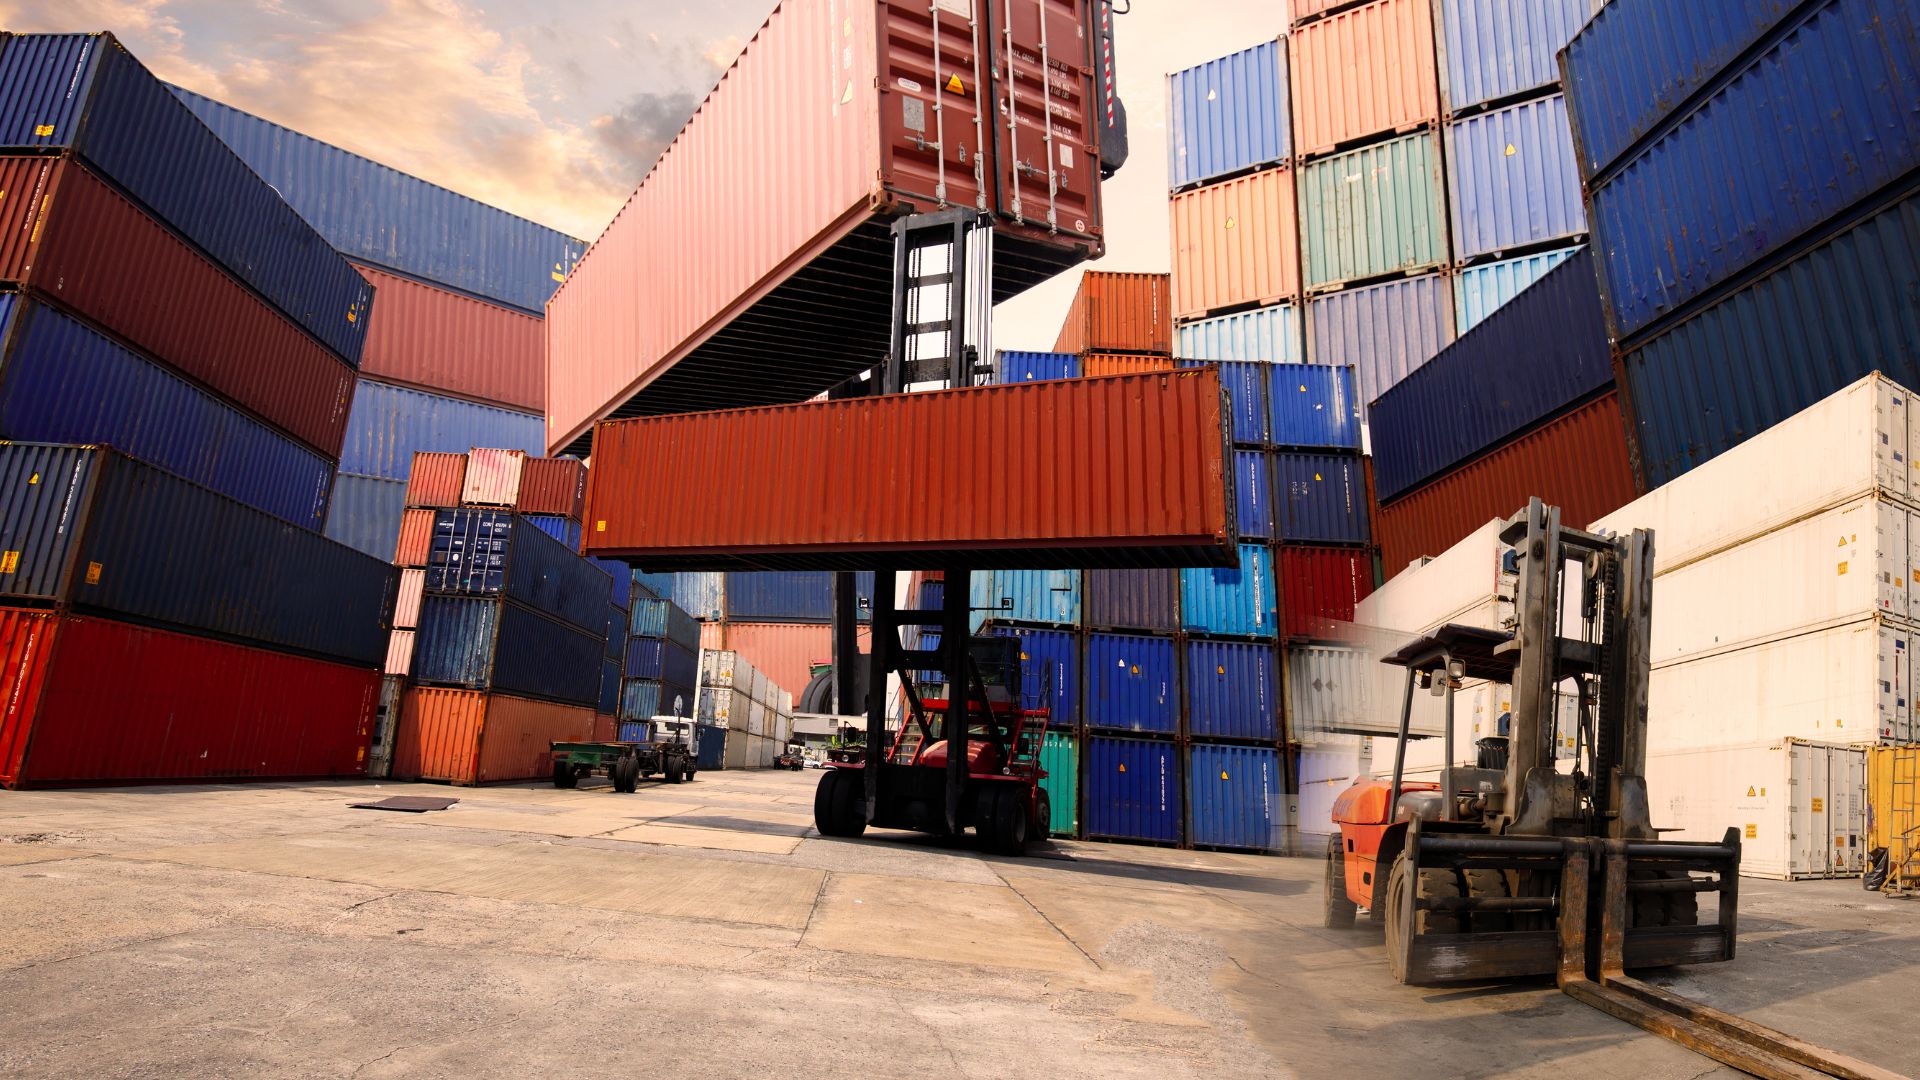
(1577, 462)
(552, 486)
(436, 480)
(1123, 364)
(470, 737)
(493, 477)
(1365, 71)
(447, 343)
(93, 701)
(1319, 587)
(68, 236)
(416, 537)
(1124, 470)
(833, 118)
(784, 652)
(606, 727)
(1115, 312)
(1235, 243)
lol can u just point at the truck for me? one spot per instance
(627, 763)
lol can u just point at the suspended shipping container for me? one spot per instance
(1362, 72)
(1480, 290)
(1049, 672)
(487, 553)
(1133, 790)
(1231, 603)
(1512, 179)
(786, 596)
(1491, 50)
(1229, 115)
(1060, 757)
(1235, 244)
(1233, 691)
(436, 479)
(1235, 798)
(1321, 498)
(1374, 211)
(1315, 407)
(468, 737)
(1132, 600)
(1381, 331)
(477, 643)
(1265, 335)
(392, 423)
(1048, 597)
(1015, 367)
(365, 514)
(442, 341)
(1319, 588)
(1800, 808)
(1117, 312)
(1133, 684)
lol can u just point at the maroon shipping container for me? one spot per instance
(1319, 587)
(552, 486)
(1115, 312)
(92, 701)
(1120, 471)
(1577, 462)
(751, 265)
(436, 479)
(69, 237)
(448, 343)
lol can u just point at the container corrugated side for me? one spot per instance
(552, 486)
(1494, 49)
(1118, 312)
(1229, 115)
(62, 381)
(416, 535)
(1235, 243)
(1374, 211)
(1270, 334)
(384, 216)
(1314, 406)
(1234, 797)
(471, 737)
(1123, 363)
(436, 478)
(93, 700)
(1801, 807)
(658, 658)
(391, 423)
(1480, 290)
(1011, 366)
(406, 604)
(493, 476)
(784, 652)
(1050, 597)
(1511, 179)
(1133, 790)
(452, 344)
(524, 564)
(1237, 603)
(1060, 757)
(1319, 588)
(1890, 803)
(704, 596)
(1133, 683)
(786, 595)
(1253, 493)
(123, 121)
(1246, 386)
(365, 514)
(564, 529)
(616, 636)
(1381, 331)
(1321, 498)
(1363, 71)
(609, 703)
(1132, 600)
(644, 699)
(1533, 358)
(399, 659)
(1233, 690)
(477, 643)
(1049, 672)
(662, 619)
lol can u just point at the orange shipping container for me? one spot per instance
(1123, 364)
(406, 608)
(784, 652)
(1363, 72)
(1236, 243)
(552, 486)
(416, 538)
(436, 479)
(606, 727)
(446, 343)
(1115, 312)
(470, 737)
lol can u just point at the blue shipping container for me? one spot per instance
(663, 660)
(1234, 797)
(663, 619)
(488, 553)
(1131, 600)
(709, 746)
(1491, 49)
(643, 699)
(1783, 145)
(1478, 291)
(1133, 790)
(1246, 385)
(87, 93)
(1543, 352)
(790, 595)
(1019, 367)
(1233, 690)
(560, 527)
(1229, 115)
(1236, 603)
(482, 643)
(96, 530)
(635, 731)
(364, 514)
(609, 702)
(702, 595)
(1049, 672)
(397, 221)
(389, 424)
(1269, 335)
(61, 381)
(621, 576)
(1381, 331)
(616, 635)
(1841, 311)
(1512, 179)
(1253, 493)
(1051, 597)
(1133, 683)
(1322, 498)
(1314, 406)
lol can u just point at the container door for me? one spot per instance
(1891, 559)
(1806, 810)
(1047, 155)
(1893, 683)
(1849, 824)
(1913, 562)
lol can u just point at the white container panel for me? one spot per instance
(1462, 579)
(1345, 690)
(1328, 766)
(1800, 807)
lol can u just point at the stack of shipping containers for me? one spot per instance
(742, 710)
(777, 621)
(662, 667)
(159, 298)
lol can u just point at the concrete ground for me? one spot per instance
(704, 930)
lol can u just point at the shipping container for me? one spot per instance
(488, 553)
(710, 746)
(1133, 790)
(1013, 367)
(704, 596)
(1060, 757)
(1118, 312)
(1265, 335)
(635, 731)
(416, 535)
(1892, 809)
(468, 737)
(480, 643)
(98, 701)
(616, 636)
(1314, 406)
(1049, 672)
(383, 216)
(779, 596)
(642, 504)
(1812, 146)
(392, 423)
(92, 529)
(898, 131)
(1132, 600)
(1362, 72)
(1253, 493)
(1246, 386)
(63, 381)
(663, 619)
(1531, 360)
(1512, 181)
(644, 699)
(399, 659)
(1233, 690)
(1382, 331)
(1328, 765)
(1346, 690)
(1319, 588)
(1229, 115)
(436, 479)
(493, 477)
(1235, 244)
(1480, 290)
(663, 660)
(1231, 603)
(406, 604)
(1471, 583)
(552, 486)
(1321, 498)
(564, 529)
(1800, 808)
(1123, 363)
(1841, 311)
(1372, 212)
(1133, 684)
(86, 93)
(365, 514)
(68, 235)
(1235, 798)
(1305, 10)
(785, 652)
(441, 341)
(606, 726)
(1577, 462)
(1047, 597)
(1491, 50)
(386, 718)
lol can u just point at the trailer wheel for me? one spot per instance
(564, 776)
(1339, 910)
(625, 774)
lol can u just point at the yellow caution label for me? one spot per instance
(1223, 774)
(1843, 569)
(351, 317)
(1753, 832)
(1818, 804)
(43, 130)
(361, 754)
(1136, 669)
(1750, 792)
(1123, 766)
(955, 86)
(558, 276)
(1231, 222)
(1510, 150)
(600, 526)
(9, 561)
(93, 573)
(1220, 669)
(34, 479)
(1024, 656)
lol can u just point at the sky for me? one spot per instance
(554, 109)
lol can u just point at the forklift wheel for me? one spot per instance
(1004, 832)
(835, 804)
(563, 775)
(1339, 910)
(1042, 815)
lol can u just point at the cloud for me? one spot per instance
(143, 24)
(720, 54)
(641, 127)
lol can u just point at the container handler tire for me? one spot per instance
(1006, 834)
(1488, 883)
(850, 801)
(564, 776)
(1435, 883)
(1663, 909)
(1042, 815)
(1339, 909)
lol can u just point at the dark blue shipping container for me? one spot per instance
(622, 577)
(1253, 493)
(1322, 498)
(1049, 670)
(635, 731)
(1844, 309)
(1233, 690)
(658, 658)
(560, 527)
(790, 596)
(487, 553)
(389, 424)
(616, 632)
(609, 687)
(364, 514)
(87, 93)
(481, 643)
(1246, 385)
(61, 381)
(1132, 600)
(1381, 331)
(98, 531)
(653, 586)
(1541, 353)
(397, 221)
(1314, 406)
(643, 699)
(1133, 684)
(1133, 790)
(663, 619)
(1016, 367)
(1233, 797)
(1783, 145)
(709, 746)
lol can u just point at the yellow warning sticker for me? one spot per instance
(1231, 222)
(600, 526)
(43, 130)
(1753, 832)
(1024, 656)
(1220, 669)
(1223, 774)
(9, 561)
(1818, 804)
(1136, 669)
(93, 573)
(558, 276)
(954, 85)
(1123, 766)
(34, 479)
(1843, 568)
(1510, 150)
(361, 755)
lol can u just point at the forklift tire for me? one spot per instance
(564, 776)
(1488, 883)
(836, 809)
(1042, 815)
(1339, 909)
(1435, 883)
(850, 799)
(824, 817)
(1006, 834)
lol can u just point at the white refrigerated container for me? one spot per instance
(1799, 807)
